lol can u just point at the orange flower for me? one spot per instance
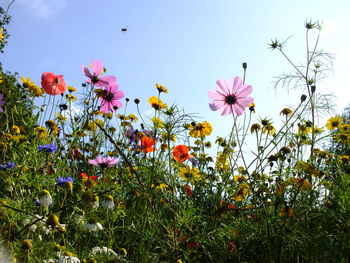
(180, 153)
(92, 177)
(147, 144)
(53, 84)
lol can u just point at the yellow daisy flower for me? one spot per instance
(156, 103)
(199, 130)
(189, 174)
(334, 122)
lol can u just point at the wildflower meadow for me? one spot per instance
(105, 184)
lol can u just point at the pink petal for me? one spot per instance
(244, 102)
(244, 91)
(112, 161)
(86, 71)
(119, 94)
(227, 110)
(97, 67)
(222, 86)
(93, 162)
(214, 94)
(117, 103)
(215, 105)
(109, 79)
(238, 109)
(105, 106)
(237, 83)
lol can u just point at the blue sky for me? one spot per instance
(186, 45)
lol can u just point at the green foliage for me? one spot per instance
(173, 195)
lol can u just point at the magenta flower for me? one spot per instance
(110, 98)
(230, 96)
(2, 103)
(95, 77)
(104, 162)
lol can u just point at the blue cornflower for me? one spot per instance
(50, 148)
(7, 165)
(61, 180)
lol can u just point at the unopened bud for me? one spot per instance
(313, 89)
(303, 97)
(53, 220)
(244, 65)
(27, 244)
(137, 101)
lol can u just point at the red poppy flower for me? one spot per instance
(183, 238)
(188, 190)
(232, 206)
(76, 155)
(53, 84)
(147, 144)
(192, 245)
(231, 247)
(180, 153)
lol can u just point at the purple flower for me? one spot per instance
(104, 162)
(61, 180)
(130, 134)
(50, 148)
(2, 102)
(194, 161)
(7, 165)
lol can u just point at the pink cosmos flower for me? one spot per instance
(53, 84)
(104, 162)
(94, 77)
(110, 98)
(230, 96)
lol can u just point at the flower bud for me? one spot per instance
(27, 244)
(244, 65)
(123, 251)
(137, 101)
(303, 97)
(313, 89)
(53, 220)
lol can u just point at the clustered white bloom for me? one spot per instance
(104, 250)
(92, 225)
(108, 203)
(68, 259)
(32, 227)
(45, 198)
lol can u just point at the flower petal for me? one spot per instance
(226, 110)
(215, 95)
(97, 67)
(245, 102)
(244, 91)
(223, 86)
(86, 71)
(237, 84)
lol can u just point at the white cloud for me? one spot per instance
(43, 8)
